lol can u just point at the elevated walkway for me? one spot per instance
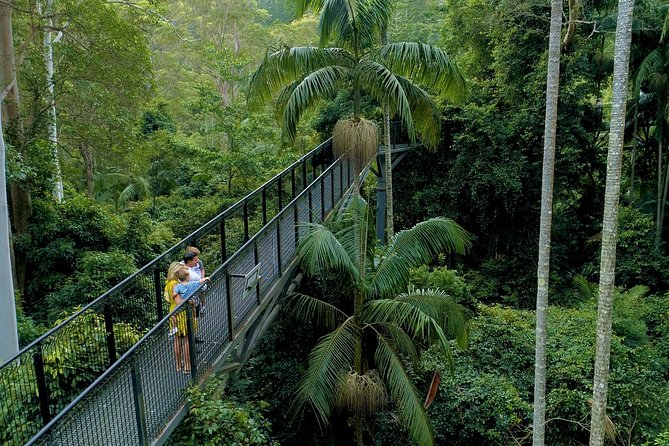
(123, 382)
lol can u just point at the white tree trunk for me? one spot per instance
(546, 221)
(607, 270)
(390, 215)
(9, 339)
(53, 128)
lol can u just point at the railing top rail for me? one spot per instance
(128, 354)
(121, 285)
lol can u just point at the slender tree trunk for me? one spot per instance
(663, 205)
(390, 226)
(571, 24)
(9, 340)
(610, 223)
(53, 127)
(89, 165)
(546, 221)
(9, 92)
(658, 210)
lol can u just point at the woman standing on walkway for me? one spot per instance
(177, 322)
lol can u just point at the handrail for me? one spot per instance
(145, 286)
(273, 224)
(124, 282)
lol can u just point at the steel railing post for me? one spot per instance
(109, 336)
(293, 183)
(191, 341)
(138, 397)
(231, 310)
(304, 174)
(42, 389)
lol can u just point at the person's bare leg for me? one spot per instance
(177, 352)
(186, 354)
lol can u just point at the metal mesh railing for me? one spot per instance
(44, 377)
(133, 400)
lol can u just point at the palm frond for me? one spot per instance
(354, 234)
(414, 247)
(451, 316)
(335, 20)
(425, 64)
(403, 393)
(399, 340)
(137, 190)
(320, 251)
(319, 84)
(390, 276)
(416, 323)
(283, 66)
(384, 86)
(585, 291)
(312, 309)
(424, 113)
(329, 361)
(429, 238)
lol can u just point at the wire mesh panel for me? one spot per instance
(303, 213)
(143, 390)
(212, 328)
(268, 258)
(106, 417)
(328, 193)
(243, 302)
(316, 204)
(337, 181)
(163, 374)
(287, 225)
(19, 401)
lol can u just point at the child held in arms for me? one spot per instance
(185, 288)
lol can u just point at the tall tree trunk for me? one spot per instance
(53, 127)
(658, 207)
(9, 340)
(607, 270)
(546, 221)
(390, 226)
(663, 204)
(9, 92)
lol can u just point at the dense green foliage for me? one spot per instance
(71, 369)
(155, 138)
(214, 421)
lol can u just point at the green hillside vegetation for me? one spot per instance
(164, 119)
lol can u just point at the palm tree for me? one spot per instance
(391, 73)
(358, 365)
(546, 221)
(607, 272)
(652, 76)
